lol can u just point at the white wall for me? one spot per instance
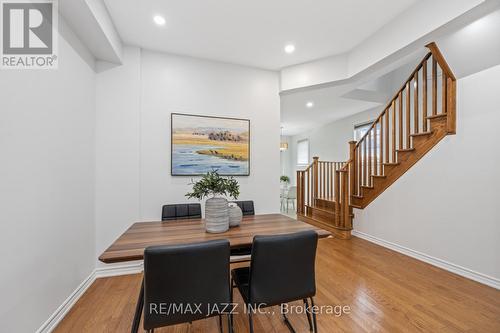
(47, 187)
(117, 194)
(328, 142)
(133, 133)
(446, 206)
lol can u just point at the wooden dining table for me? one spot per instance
(131, 244)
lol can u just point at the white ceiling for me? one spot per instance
(342, 100)
(252, 33)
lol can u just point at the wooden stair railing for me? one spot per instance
(420, 114)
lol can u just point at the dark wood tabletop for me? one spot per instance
(131, 244)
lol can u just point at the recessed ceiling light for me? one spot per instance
(160, 20)
(290, 48)
(310, 104)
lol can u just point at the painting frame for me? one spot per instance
(248, 144)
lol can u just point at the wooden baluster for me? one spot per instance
(386, 114)
(315, 179)
(323, 177)
(329, 181)
(400, 119)
(415, 104)
(394, 131)
(337, 196)
(360, 166)
(352, 167)
(424, 96)
(382, 156)
(443, 92)
(356, 166)
(320, 164)
(345, 200)
(326, 179)
(369, 156)
(434, 86)
(407, 115)
(365, 161)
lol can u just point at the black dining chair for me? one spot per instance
(178, 276)
(181, 211)
(281, 271)
(247, 208)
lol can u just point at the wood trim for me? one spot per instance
(436, 53)
(336, 232)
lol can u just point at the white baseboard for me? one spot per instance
(120, 269)
(459, 270)
(63, 309)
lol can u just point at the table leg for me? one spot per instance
(138, 309)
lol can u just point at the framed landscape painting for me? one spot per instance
(201, 144)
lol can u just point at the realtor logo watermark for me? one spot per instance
(29, 34)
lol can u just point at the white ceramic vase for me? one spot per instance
(235, 215)
(216, 215)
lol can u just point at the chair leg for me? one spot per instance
(221, 330)
(230, 323)
(314, 316)
(308, 314)
(287, 322)
(231, 299)
(250, 319)
(138, 309)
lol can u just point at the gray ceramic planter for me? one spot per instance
(216, 215)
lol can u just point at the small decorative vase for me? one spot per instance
(235, 215)
(216, 215)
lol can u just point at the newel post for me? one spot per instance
(315, 178)
(352, 168)
(300, 192)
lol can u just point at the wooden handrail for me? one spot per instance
(436, 53)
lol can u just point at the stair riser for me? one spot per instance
(320, 215)
(325, 204)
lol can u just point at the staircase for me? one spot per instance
(421, 113)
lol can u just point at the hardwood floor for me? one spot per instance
(386, 292)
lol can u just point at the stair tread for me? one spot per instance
(367, 186)
(391, 163)
(356, 206)
(379, 176)
(421, 134)
(437, 116)
(357, 196)
(405, 150)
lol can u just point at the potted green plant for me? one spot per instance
(284, 179)
(216, 188)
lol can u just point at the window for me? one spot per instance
(361, 129)
(303, 152)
